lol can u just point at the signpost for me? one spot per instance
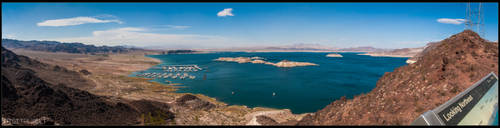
(477, 105)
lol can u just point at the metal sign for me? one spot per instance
(477, 105)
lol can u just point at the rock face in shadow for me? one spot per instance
(264, 120)
(193, 102)
(25, 95)
(399, 97)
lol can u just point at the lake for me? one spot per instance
(300, 89)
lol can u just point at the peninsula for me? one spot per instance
(333, 55)
(259, 60)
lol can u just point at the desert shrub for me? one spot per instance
(158, 118)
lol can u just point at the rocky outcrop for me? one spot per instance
(286, 63)
(234, 59)
(399, 97)
(264, 120)
(193, 102)
(333, 55)
(258, 60)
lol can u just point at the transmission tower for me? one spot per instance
(474, 18)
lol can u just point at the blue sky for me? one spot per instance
(198, 25)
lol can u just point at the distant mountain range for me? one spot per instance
(54, 46)
(363, 49)
(299, 47)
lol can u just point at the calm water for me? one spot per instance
(301, 89)
(495, 122)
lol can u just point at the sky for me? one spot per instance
(225, 25)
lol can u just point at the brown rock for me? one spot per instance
(264, 120)
(194, 102)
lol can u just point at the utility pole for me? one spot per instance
(474, 18)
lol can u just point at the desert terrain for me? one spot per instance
(108, 76)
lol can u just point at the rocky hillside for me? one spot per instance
(54, 46)
(27, 96)
(402, 95)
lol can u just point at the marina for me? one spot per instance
(176, 72)
(179, 68)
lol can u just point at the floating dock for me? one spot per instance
(179, 68)
(177, 72)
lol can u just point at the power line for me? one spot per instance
(474, 18)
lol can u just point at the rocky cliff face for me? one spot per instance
(400, 96)
(27, 96)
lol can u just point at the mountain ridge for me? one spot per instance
(55, 46)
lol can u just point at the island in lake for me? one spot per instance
(333, 55)
(259, 60)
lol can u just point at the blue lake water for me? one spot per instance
(495, 122)
(301, 89)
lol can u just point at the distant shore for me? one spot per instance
(385, 55)
(246, 50)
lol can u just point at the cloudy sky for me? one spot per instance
(219, 25)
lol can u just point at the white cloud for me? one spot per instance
(143, 38)
(178, 27)
(225, 12)
(451, 21)
(74, 21)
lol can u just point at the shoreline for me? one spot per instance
(384, 55)
(259, 51)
